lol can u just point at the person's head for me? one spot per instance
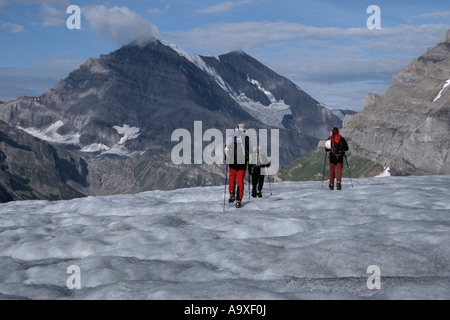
(241, 127)
(335, 130)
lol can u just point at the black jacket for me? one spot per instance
(335, 159)
(234, 164)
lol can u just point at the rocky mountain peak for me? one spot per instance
(407, 127)
(447, 37)
(119, 112)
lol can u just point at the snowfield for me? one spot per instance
(301, 242)
(447, 83)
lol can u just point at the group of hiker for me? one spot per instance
(240, 156)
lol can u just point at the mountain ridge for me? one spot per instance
(118, 112)
(407, 128)
(33, 169)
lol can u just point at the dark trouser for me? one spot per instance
(257, 180)
(338, 174)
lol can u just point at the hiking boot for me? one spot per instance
(339, 186)
(254, 194)
(232, 198)
(238, 204)
(259, 194)
(331, 186)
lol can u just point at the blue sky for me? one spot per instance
(323, 46)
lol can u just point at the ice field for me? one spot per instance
(301, 242)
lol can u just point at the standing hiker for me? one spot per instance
(336, 146)
(237, 157)
(258, 160)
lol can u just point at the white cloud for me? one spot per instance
(156, 11)
(433, 15)
(51, 12)
(52, 16)
(40, 2)
(337, 66)
(12, 27)
(120, 24)
(223, 7)
(61, 3)
(340, 77)
(250, 35)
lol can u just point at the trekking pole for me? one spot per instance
(225, 192)
(249, 185)
(270, 186)
(349, 173)
(324, 165)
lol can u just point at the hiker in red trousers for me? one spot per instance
(237, 158)
(336, 146)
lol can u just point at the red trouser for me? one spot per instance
(338, 168)
(238, 175)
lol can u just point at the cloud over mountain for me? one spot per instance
(223, 7)
(120, 24)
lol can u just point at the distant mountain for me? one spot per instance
(408, 128)
(33, 169)
(342, 113)
(118, 112)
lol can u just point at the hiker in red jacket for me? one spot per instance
(337, 149)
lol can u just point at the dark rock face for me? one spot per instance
(33, 169)
(121, 109)
(408, 128)
(304, 114)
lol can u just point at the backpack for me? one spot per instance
(337, 146)
(236, 150)
(259, 158)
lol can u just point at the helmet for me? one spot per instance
(328, 144)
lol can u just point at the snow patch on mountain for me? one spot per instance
(117, 150)
(50, 134)
(200, 63)
(440, 93)
(272, 114)
(128, 133)
(339, 114)
(385, 173)
(269, 94)
(95, 147)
